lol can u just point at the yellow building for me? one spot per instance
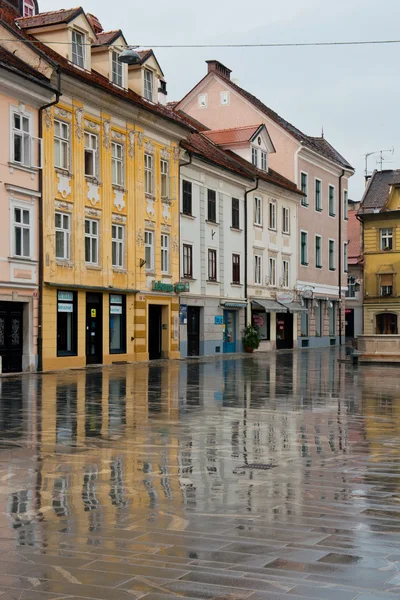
(110, 201)
(380, 215)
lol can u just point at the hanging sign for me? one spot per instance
(65, 308)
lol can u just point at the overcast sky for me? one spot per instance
(350, 91)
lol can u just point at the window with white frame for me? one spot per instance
(212, 265)
(21, 149)
(331, 255)
(118, 246)
(285, 220)
(63, 235)
(386, 239)
(28, 9)
(318, 195)
(272, 271)
(164, 253)
(148, 84)
(78, 48)
(90, 154)
(116, 69)
(257, 211)
(304, 188)
(187, 261)
(61, 145)
(345, 204)
(148, 173)
(117, 163)
(332, 209)
(258, 269)
(285, 273)
(149, 250)
(264, 161)
(254, 156)
(164, 169)
(91, 241)
(345, 257)
(22, 231)
(318, 251)
(272, 215)
(304, 248)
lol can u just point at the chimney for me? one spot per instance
(95, 23)
(217, 67)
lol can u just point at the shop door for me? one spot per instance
(11, 336)
(193, 330)
(284, 331)
(229, 331)
(155, 332)
(94, 329)
(349, 323)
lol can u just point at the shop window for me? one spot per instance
(386, 324)
(117, 324)
(262, 322)
(67, 309)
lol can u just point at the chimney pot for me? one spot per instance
(217, 67)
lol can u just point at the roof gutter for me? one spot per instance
(247, 192)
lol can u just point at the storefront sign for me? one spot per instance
(65, 308)
(66, 296)
(159, 286)
(93, 313)
(218, 320)
(284, 298)
(182, 287)
(115, 310)
(115, 299)
(183, 314)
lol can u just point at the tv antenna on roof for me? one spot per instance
(380, 160)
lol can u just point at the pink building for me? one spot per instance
(319, 171)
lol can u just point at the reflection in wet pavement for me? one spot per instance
(271, 476)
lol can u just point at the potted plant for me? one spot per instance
(250, 339)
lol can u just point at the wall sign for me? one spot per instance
(182, 287)
(218, 320)
(115, 310)
(66, 296)
(65, 308)
(93, 313)
(284, 297)
(159, 286)
(115, 299)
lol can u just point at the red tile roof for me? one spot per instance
(354, 237)
(54, 17)
(235, 135)
(107, 37)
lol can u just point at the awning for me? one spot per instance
(296, 307)
(235, 305)
(269, 305)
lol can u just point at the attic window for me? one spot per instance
(224, 98)
(116, 69)
(163, 86)
(28, 8)
(148, 85)
(78, 49)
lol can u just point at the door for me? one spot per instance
(193, 330)
(349, 323)
(155, 332)
(11, 340)
(94, 329)
(284, 331)
(229, 331)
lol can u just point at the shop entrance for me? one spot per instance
(94, 329)
(229, 331)
(349, 323)
(193, 330)
(155, 332)
(11, 332)
(284, 331)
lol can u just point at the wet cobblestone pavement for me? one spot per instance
(267, 477)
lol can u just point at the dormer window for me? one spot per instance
(264, 161)
(28, 8)
(78, 49)
(148, 85)
(116, 69)
(254, 156)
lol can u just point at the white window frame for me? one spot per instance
(165, 253)
(149, 243)
(164, 177)
(305, 264)
(258, 211)
(25, 136)
(332, 213)
(63, 142)
(254, 156)
(285, 220)
(304, 199)
(93, 138)
(331, 265)
(118, 242)
(202, 100)
(148, 174)
(345, 257)
(264, 161)
(66, 233)
(272, 271)
(345, 205)
(258, 269)
(272, 215)
(285, 273)
(318, 208)
(117, 164)
(93, 240)
(318, 264)
(117, 69)
(148, 85)
(225, 95)
(22, 206)
(80, 57)
(386, 235)
(28, 10)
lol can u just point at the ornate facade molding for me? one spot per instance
(79, 123)
(61, 112)
(166, 214)
(131, 144)
(93, 193)
(175, 244)
(177, 152)
(63, 205)
(117, 135)
(119, 201)
(91, 125)
(149, 148)
(92, 212)
(140, 138)
(165, 154)
(107, 134)
(139, 238)
(119, 218)
(149, 224)
(48, 118)
(150, 207)
(63, 185)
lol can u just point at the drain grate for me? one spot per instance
(259, 466)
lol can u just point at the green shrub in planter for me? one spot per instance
(250, 339)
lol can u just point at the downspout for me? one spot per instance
(245, 239)
(340, 256)
(41, 245)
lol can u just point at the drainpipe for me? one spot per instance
(41, 245)
(245, 239)
(340, 256)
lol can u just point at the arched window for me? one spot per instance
(386, 324)
(28, 8)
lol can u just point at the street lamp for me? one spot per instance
(129, 56)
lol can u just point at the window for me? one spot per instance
(318, 251)
(235, 213)
(164, 168)
(304, 248)
(386, 239)
(345, 261)
(117, 163)
(258, 269)
(164, 253)
(318, 198)
(254, 156)
(90, 154)
(148, 84)
(264, 163)
(91, 241)
(345, 204)
(224, 98)
(118, 245)
(304, 320)
(117, 324)
(386, 284)
(149, 250)
(272, 272)
(386, 324)
(61, 145)
(236, 268)
(285, 220)
(318, 314)
(116, 69)
(212, 206)
(258, 211)
(67, 323)
(332, 201)
(272, 216)
(332, 318)
(21, 139)
(351, 287)
(28, 8)
(186, 197)
(148, 173)
(22, 232)
(78, 49)
(304, 188)
(63, 235)
(285, 273)
(262, 322)
(203, 100)
(212, 265)
(187, 261)
(386, 290)
(331, 255)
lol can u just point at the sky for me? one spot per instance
(351, 92)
